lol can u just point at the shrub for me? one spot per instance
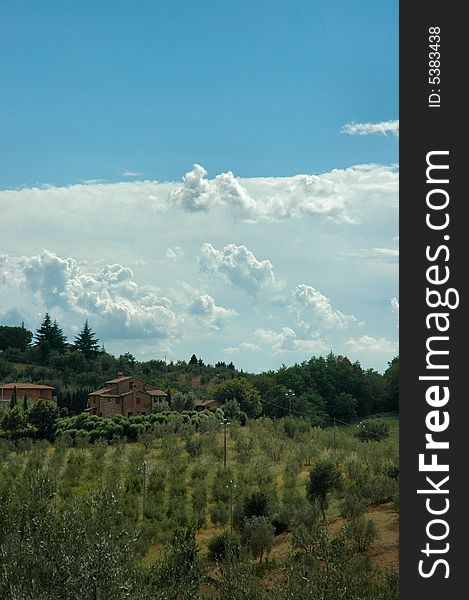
(353, 505)
(257, 505)
(358, 534)
(219, 513)
(224, 546)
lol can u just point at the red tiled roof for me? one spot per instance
(155, 392)
(100, 392)
(132, 391)
(205, 402)
(109, 391)
(118, 379)
(26, 386)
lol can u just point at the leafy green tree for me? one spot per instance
(219, 513)
(181, 570)
(391, 377)
(86, 342)
(25, 403)
(324, 478)
(232, 410)
(343, 407)
(193, 360)
(43, 416)
(258, 536)
(244, 392)
(13, 420)
(15, 337)
(126, 361)
(257, 505)
(181, 402)
(376, 387)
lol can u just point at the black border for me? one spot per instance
(423, 129)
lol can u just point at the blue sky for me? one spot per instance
(280, 243)
(93, 89)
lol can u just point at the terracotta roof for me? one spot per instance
(155, 392)
(118, 379)
(100, 392)
(26, 386)
(205, 402)
(134, 390)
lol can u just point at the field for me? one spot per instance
(75, 519)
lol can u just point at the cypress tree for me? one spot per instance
(14, 398)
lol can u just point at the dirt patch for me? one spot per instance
(385, 549)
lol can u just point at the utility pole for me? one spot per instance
(144, 487)
(231, 486)
(225, 423)
(289, 394)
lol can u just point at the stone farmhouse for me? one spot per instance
(125, 395)
(32, 391)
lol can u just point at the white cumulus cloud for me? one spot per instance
(203, 307)
(372, 345)
(246, 346)
(286, 341)
(174, 254)
(352, 195)
(382, 128)
(315, 312)
(120, 307)
(395, 308)
(197, 193)
(239, 266)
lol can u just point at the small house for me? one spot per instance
(206, 404)
(124, 395)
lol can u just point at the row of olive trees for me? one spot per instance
(259, 495)
(88, 548)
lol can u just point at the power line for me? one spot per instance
(298, 412)
(343, 422)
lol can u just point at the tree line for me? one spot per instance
(320, 389)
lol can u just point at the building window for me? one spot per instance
(139, 400)
(129, 414)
